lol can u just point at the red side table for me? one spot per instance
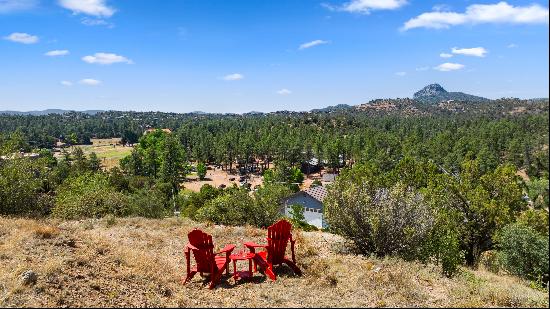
(242, 256)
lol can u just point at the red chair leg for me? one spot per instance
(215, 279)
(189, 276)
(270, 273)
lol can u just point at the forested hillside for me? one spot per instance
(435, 183)
(506, 130)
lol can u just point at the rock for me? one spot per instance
(28, 277)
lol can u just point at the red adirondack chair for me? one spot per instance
(274, 252)
(206, 260)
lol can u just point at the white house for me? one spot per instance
(312, 201)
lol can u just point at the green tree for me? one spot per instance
(297, 213)
(133, 164)
(80, 163)
(94, 162)
(201, 170)
(15, 142)
(173, 165)
(268, 204)
(537, 190)
(482, 203)
(72, 139)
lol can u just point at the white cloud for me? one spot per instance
(233, 77)
(284, 91)
(96, 8)
(401, 73)
(54, 53)
(66, 83)
(420, 69)
(445, 55)
(24, 38)
(106, 58)
(366, 6)
(90, 82)
(96, 22)
(8, 6)
(501, 12)
(312, 44)
(512, 45)
(448, 66)
(475, 51)
(441, 8)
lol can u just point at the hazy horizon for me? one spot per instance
(240, 56)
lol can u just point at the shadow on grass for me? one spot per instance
(228, 282)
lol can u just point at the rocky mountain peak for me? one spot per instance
(430, 90)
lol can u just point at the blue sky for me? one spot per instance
(239, 56)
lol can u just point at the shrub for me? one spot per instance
(524, 252)
(447, 251)
(490, 260)
(234, 208)
(148, 204)
(537, 219)
(193, 201)
(21, 187)
(118, 180)
(89, 195)
(379, 221)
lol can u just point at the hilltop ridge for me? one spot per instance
(435, 93)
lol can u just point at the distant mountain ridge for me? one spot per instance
(434, 93)
(334, 108)
(431, 98)
(50, 111)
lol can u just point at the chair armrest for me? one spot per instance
(226, 249)
(254, 245)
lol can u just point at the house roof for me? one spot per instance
(318, 192)
(154, 129)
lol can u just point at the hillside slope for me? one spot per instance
(139, 262)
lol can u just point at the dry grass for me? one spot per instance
(138, 262)
(109, 156)
(44, 231)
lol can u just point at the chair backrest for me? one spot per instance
(277, 239)
(204, 255)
